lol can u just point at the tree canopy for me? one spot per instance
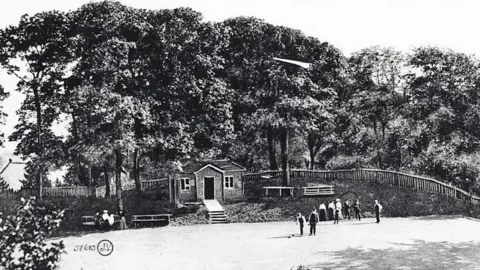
(145, 89)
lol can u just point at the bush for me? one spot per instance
(347, 162)
(23, 237)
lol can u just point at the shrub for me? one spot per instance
(347, 162)
(23, 237)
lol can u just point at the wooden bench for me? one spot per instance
(150, 218)
(89, 221)
(279, 189)
(322, 190)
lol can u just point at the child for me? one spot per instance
(378, 208)
(300, 220)
(313, 220)
(357, 209)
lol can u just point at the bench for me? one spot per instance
(318, 190)
(150, 218)
(89, 221)
(279, 189)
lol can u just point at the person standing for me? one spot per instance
(338, 209)
(346, 208)
(313, 220)
(378, 208)
(331, 210)
(357, 209)
(123, 221)
(323, 212)
(300, 221)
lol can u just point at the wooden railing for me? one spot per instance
(390, 178)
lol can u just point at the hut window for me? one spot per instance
(229, 181)
(184, 184)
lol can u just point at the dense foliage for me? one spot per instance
(23, 237)
(141, 89)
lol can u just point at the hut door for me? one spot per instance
(209, 188)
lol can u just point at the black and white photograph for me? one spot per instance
(243, 135)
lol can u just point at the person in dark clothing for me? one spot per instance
(98, 219)
(123, 221)
(300, 221)
(378, 208)
(346, 208)
(323, 212)
(331, 210)
(313, 220)
(357, 209)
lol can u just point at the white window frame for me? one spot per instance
(187, 185)
(231, 186)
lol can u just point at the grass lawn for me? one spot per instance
(395, 243)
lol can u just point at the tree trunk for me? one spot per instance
(118, 178)
(377, 144)
(284, 150)
(89, 176)
(136, 173)
(271, 149)
(312, 160)
(38, 109)
(107, 182)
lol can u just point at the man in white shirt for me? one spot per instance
(338, 209)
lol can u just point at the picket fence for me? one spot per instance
(147, 184)
(390, 178)
(53, 192)
(82, 191)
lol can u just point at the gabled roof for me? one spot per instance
(223, 165)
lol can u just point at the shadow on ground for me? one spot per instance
(420, 255)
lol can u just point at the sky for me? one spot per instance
(349, 25)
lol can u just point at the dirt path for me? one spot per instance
(349, 245)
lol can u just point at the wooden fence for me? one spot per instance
(147, 184)
(53, 192)
(390, 178)
(82, 191)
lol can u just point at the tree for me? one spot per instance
(377, 77)
(3, 95)
(39, 43)
(443, 111)
(3, 183)
(275, 98)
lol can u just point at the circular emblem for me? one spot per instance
(105, 247)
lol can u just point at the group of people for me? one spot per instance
(106, 221)
(333, 212)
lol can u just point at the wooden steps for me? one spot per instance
(217, 217)
(216, 213)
